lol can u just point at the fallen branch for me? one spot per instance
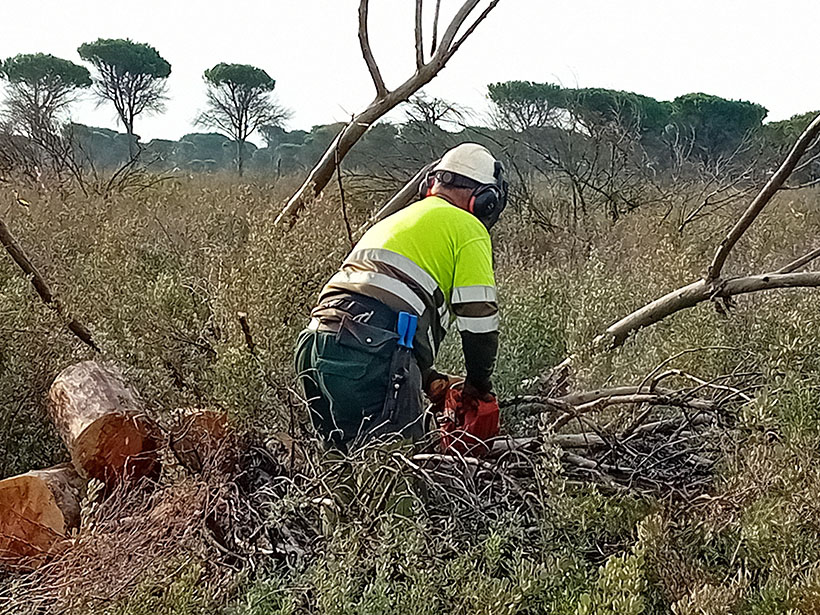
(712, 286)
(19, 256)
(697, 292)
(800, 262)
(762, 199)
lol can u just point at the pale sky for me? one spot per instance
(765, 52)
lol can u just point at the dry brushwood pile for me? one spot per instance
(665, 442)
(242, 504)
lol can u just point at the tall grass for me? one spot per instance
(160, 278)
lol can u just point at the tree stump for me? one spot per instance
(203, 440)
(37, 511)
(103, 424)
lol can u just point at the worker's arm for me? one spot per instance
(475, 308)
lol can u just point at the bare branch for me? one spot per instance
(472, 28)
(435, 28)
(712, 286)
(808, 162)
(697, 292)
(800, 262)
(322, 173)
(641, 398)
(577, 399)
(246, 332)
(443, 52)
(763, 197)
(342, 200)
(419, 36)
(367, 53)
(19, 256)
(807, 184)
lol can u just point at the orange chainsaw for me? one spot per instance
(465, 422)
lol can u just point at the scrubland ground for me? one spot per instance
(160, 278)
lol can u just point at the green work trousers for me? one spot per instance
(345, 375)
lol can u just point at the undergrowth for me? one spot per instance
(161, 277)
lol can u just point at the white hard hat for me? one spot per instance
(470, 160)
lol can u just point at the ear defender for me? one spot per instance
(484, 200)
(490, 199)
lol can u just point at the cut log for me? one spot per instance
(37, 511)
(103, 424)
(203, 439)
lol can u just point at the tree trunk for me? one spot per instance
(132, 141)
(37, 511)
(103, 424)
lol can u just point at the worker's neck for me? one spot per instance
(453, 199)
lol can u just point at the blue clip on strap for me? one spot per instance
(406, 328)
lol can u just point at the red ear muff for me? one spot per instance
(426, 185)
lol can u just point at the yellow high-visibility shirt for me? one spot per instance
(435, 260)
(447, 242)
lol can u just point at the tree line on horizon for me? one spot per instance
(132, 77)
(574, 131)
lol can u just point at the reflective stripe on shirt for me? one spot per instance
(481, 324)
(470, 294)
(385, 283)
(444, 317)
(400, 262)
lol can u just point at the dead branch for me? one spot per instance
(564, 441)
(419, 36)
(436, 15)
(470, 29)
(367, 52)
(342, 200)
(385, 100)
(576, 399)
(760, 201)
(697, 292)
(800, 262)
(712, 286)
(643, 398)
(19, 256)
(246, 332)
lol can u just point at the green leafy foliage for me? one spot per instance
(601, 107)
(179, 593)
(45, 71)
(239, 104)
(125, 57)
(129, 75)
(526, 104)
(718, 124)
(619, 588)
(241, 76)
